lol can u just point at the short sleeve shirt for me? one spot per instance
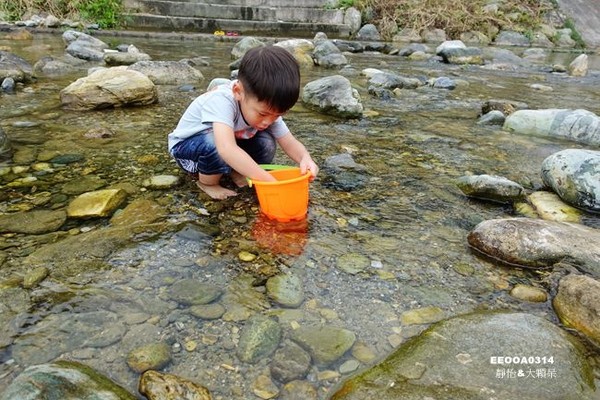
(218, 105)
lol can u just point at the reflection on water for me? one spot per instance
(280, 237)
(408, 221)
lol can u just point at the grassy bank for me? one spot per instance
(106, 13)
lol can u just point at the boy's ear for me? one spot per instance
(238, 90)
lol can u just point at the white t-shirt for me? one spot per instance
(218, 105)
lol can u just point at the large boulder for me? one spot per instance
(64, 380)
(110, 87)
(577, 125)
(537, 243)
(479, 356)
(574, 174)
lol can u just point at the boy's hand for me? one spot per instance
(307, 164)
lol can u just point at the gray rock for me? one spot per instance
(493, 117)
(574, 175)
(286, 290)
(327, 54)
(491, 187)
(15, 67)
(245, 44)
(368, 32)
(511, 38)
(191, 292)
(333, 95)
(459, 359)
(536, 243)
(259, 338)
(290, 362)
(325, 344)
(457, 55)
(63, 379)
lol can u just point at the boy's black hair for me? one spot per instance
(271, 74)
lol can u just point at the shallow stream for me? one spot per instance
(409, 220)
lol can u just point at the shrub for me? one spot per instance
(454, 16)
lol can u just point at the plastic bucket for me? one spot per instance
(284, 200)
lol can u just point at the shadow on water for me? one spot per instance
(405, 227)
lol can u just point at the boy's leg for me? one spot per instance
(261, 147)
(198, 155)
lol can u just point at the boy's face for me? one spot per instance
(257, 114)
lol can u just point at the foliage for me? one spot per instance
(575, 35)
(454, 16)
(106, 13)
(343, 4)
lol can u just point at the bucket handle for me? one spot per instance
(270, 167)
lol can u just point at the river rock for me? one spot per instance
(149, 356)
(574, 175)
(191, 292)
(83, 46)
(63, 380)
(368, 32)
(125, 57)
(491, 187)
(82, 184)
(579, 66)
(109, 87)
(391, 81)
(15, 67)
(99, 203)
(290, 362)
(458, 358)
(168, 72)
(325, 343)
(580, 126)
(139, 212)
(327, 54)
(352, 263)
(301, 49)
(549, 206)
(245, 44)
(161, 182)
(160, 386)
(458, 55)
(48, 66)
(529, 293)
(507, 107)
(286, 290)
(33, 222)
(577, 304)
(298, 390)
(536, 243)
(258, 339)
(333, 95)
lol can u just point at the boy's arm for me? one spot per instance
(235, 157)
(297, 152)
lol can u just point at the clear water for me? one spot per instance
(409, 220)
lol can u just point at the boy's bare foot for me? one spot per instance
(238, 179)
(216, 192)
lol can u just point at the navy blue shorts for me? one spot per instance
(198, 154)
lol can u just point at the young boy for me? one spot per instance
(234, 127)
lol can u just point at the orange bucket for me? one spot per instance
(284, 200)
